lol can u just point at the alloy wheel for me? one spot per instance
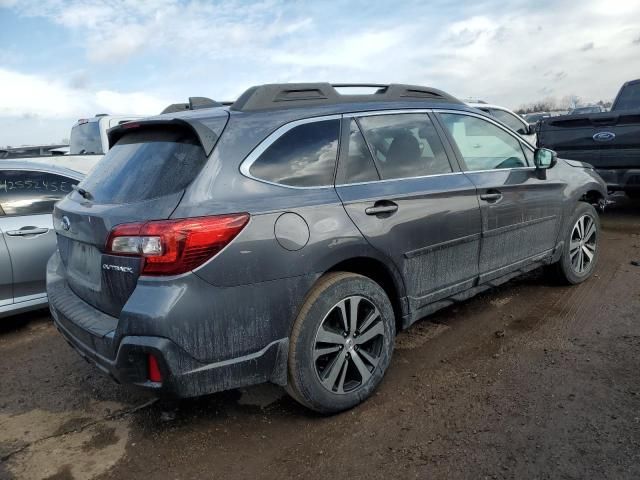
(348, 345)
(583, 244)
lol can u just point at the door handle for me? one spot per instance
(26, 231)
(491, 196)
(381, 207)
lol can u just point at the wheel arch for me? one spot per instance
(594, 197)
(381, 273)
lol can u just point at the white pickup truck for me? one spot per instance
(87, 143)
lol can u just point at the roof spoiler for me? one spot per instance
(195, 103)
(207, 136)
(285, 95)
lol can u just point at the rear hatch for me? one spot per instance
(143, 177)
(605, 140)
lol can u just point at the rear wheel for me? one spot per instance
(341, 343)
(581, 246)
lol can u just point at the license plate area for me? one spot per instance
(83, 265)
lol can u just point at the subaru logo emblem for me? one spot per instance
(604, 136)
(66, 223)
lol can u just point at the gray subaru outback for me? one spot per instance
(288, 237)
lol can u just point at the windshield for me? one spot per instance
(147, 164)
(85, 139)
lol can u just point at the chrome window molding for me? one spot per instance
(246, 164)
(399, 179)
(375, 113)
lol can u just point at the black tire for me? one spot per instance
(566, 270)
(321, 310)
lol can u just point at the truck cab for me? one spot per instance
(89, 135)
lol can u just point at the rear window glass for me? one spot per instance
(85, 139)
(305, 156)
(146, 164)
(31, 193)
(629, 97)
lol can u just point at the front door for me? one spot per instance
(521, 213)
(410, 202)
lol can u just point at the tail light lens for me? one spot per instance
(172, 247)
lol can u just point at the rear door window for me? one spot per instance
(405, 145)
(304, 156)
(24, 192)
(146, 164)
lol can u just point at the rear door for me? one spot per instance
(27, 198)
(141, 178)
(410, 202)
(521, 213)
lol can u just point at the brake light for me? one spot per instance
(172, 247)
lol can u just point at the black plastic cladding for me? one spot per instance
(287, 95)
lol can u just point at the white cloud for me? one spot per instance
(35, 109)
(505, 52)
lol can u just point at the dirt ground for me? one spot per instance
(529, 380)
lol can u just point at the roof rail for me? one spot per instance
(285, 95)
(195, 103)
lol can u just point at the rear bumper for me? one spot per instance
(621, 178)
(124, 357)
(182, 375)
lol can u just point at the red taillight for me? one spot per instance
(153, 369)
(172, 247)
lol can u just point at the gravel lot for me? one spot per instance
(529, 380)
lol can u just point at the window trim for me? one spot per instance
(465, 168)
(255, 154)
(51, 171)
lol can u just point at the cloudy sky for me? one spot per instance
(62, 60)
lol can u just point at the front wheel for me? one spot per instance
(341, 343)
(581, 246)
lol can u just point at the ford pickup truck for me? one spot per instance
(609, 141)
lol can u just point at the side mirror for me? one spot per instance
(543, 158)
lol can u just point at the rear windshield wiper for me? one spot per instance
(85, 194)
